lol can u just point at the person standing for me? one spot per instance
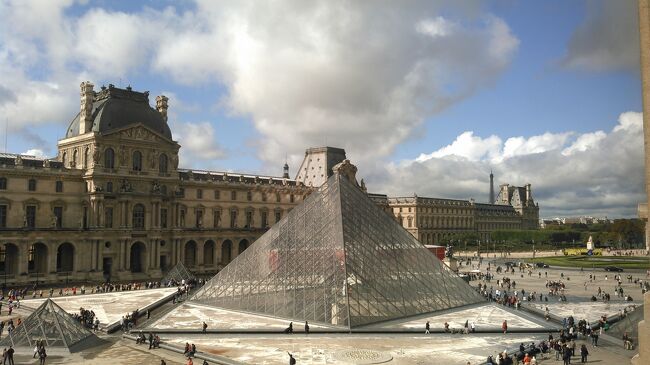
(583, 353)
(10, 356)
(427, 327)
(504, 326)
(306, 327)
(292, 361)
(205, 327)
(42, 355)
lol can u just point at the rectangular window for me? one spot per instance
(233, 219)
(30, 216)
(182, 218)
(278, 216)
(249, 196)
(265, 219)
(31, 185)
(217, 195)
(263, 197)
(58, 186)
(199, 218)
(58, 213)
(233, 195)
(3, 216)
(277, 198)
(291, 198)
(199, 193)
(249, 219)
(3, 183)
(108, 217)
(163, 217)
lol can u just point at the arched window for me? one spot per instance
(162, 163)
(86, 157)
(137, 161)
(73, 163)
(109, 187)
(64, 157)
(109, 158)
(138, 216)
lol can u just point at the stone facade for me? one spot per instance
(115, 205)
(644, 32)
(114, 202)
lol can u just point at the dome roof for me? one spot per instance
(115, 108)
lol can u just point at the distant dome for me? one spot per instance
(115, 108)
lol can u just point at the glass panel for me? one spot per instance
(337, 259)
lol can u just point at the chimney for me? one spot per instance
(161, 105)
(529, 197)
(505, 193)
(86, 113)
(285, 174)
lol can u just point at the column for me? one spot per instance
(51, 258)
(22, 264)
(200, 246)
(93, 255)
(127, 256)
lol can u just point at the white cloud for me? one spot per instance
(341, 72)
(599, 173)
(468, 146)
(34, 152)
(197, 141)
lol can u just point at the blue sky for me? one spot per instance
(426, 96)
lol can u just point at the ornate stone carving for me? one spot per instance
(124, 156)
(153, 156)
(97, 155)
(175, 161)
(138, 133)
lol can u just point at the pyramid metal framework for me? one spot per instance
(340, 260)
(55, 327)
(178, 273)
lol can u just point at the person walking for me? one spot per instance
(583, 353)
(42, 355)
(504, 326)
(204, 327)
(306, 327)
(10, 356)
(427, 327)
(292, 361)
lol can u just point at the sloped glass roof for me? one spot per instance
(337, 259)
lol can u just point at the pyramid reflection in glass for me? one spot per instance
(337, 259)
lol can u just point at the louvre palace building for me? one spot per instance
(114, 204)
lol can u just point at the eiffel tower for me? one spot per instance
(339, 260)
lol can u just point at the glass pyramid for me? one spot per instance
(177, 274)
(337, 259)
(51, 324)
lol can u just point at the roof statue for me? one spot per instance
(178, 273)
(339, 260)
(55, 327)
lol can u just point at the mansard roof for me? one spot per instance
(114, 108)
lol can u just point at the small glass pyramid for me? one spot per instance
(54, 326)
(178, 273)
(339, 260)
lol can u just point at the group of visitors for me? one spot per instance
(8, 356)
(153, 340)
(39, 351)
(87, 319)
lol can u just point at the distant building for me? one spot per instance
(432, 220)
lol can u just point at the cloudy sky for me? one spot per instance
(425, 96)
